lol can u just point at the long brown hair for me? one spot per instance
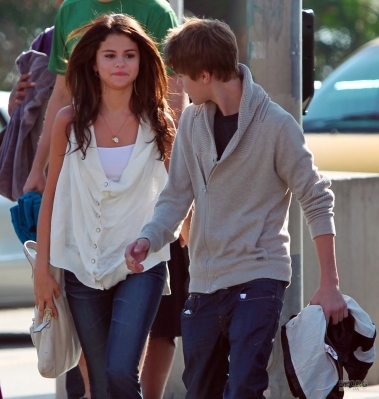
(85, 85)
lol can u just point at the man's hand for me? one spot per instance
(332, 303)
(19, 92)
(328, 294)
(136, 253)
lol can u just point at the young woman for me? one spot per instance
(107, 168)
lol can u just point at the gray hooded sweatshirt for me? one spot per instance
(239, 229)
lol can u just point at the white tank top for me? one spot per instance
(114, 160)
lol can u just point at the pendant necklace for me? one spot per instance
(115, 139)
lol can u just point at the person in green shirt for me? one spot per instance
(156, 16)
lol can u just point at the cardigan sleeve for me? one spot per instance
(174, 201)
(294, 163)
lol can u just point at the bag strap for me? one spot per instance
(30, 245)
(55, 272)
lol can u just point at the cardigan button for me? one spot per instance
(95, 246)
(93, 261)
(106, 184)
(97, 215)
(97, 203)
(98, 230)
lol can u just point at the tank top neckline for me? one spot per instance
(113, 148)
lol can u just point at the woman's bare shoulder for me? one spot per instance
(62, 120)
(61, 123)
(65, 114)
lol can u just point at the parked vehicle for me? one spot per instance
(4, 117)
(16, 288)
(342, 123)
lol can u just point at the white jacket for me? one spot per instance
(314, 355)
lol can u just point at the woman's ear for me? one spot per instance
(95, 68)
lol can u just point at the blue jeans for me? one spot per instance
(113, 326)
(227, 339)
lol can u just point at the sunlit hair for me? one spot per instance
(85, 85)
(202, 45)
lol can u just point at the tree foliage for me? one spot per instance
(341, 26)
(20, 22)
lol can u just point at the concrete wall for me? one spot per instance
(357, 245)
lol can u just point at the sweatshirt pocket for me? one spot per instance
(260, 254)
(206, 161)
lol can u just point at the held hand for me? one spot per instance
(45, 288)
(19, 92)
(332, 303)
(35, 182)
(136, 253)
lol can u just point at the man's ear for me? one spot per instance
(205, 77)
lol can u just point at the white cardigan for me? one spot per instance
(94, 218)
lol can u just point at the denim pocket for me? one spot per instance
(263, 288)
(191, 305)
(260, 303)
(257, 289)
(71, 282)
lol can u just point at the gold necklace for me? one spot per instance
(115, 138)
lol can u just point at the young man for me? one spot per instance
(238, 157)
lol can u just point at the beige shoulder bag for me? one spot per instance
(56, 340)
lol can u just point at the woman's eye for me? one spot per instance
(109, 56)
(130, 55)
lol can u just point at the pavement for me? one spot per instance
(19, 377)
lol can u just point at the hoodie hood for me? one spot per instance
(253, 106)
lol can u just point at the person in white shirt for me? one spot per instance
(108, 159)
